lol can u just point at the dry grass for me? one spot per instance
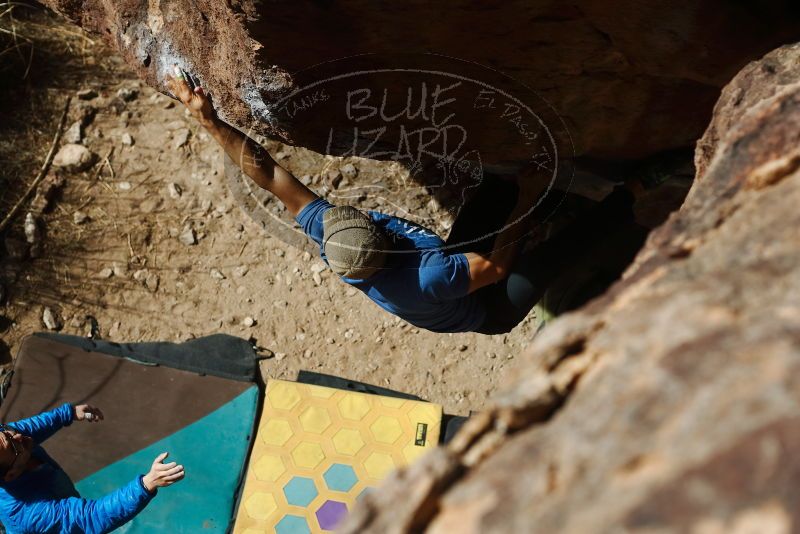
(42, 59)
(12, 42)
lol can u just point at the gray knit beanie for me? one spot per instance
(354, 245)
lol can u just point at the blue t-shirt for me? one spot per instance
(420, 282)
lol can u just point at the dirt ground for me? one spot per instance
(127, 267)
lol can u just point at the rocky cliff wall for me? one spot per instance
(672, 403)
(629, 78)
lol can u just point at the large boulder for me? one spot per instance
(447, 93)
(629, 78)
(671, 403)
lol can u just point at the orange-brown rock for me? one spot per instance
(671, 403)
(629, 78)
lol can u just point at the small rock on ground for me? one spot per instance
(151, 282)
(180, 137)
(349, 171)
(51, 319)
(127, 94)
(74, 133)
(119, 270)
(175, 191)
(188, 237)
(32, 231)
(86, 94)
(79, 217)
(74, 158)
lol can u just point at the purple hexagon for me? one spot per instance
(330, 514)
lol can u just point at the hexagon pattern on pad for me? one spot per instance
(318, 449)
(340, 477)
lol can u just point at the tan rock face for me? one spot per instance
(672, 403)
(629, 78)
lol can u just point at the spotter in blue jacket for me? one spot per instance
(44, 500)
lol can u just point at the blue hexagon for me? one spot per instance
(292, 524)
(340, 477)
(300, 491)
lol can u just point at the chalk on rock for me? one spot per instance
(124, 186)
(217, 274)
(105, 273)
(248, 322)
(240, 271)
(51, 319)
(79, 217)
(280, 356)
(127, 139)
(73, 157)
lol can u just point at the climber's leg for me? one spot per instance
(509, 301)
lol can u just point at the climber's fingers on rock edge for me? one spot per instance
(179, 87)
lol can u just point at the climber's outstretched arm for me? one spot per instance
(251, 157)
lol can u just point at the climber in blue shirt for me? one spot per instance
(467, 284)
(37, 496)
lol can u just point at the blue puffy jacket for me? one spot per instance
(44, 500)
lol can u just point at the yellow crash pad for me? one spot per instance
(317, 449)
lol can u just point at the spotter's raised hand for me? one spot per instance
(195, 100)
